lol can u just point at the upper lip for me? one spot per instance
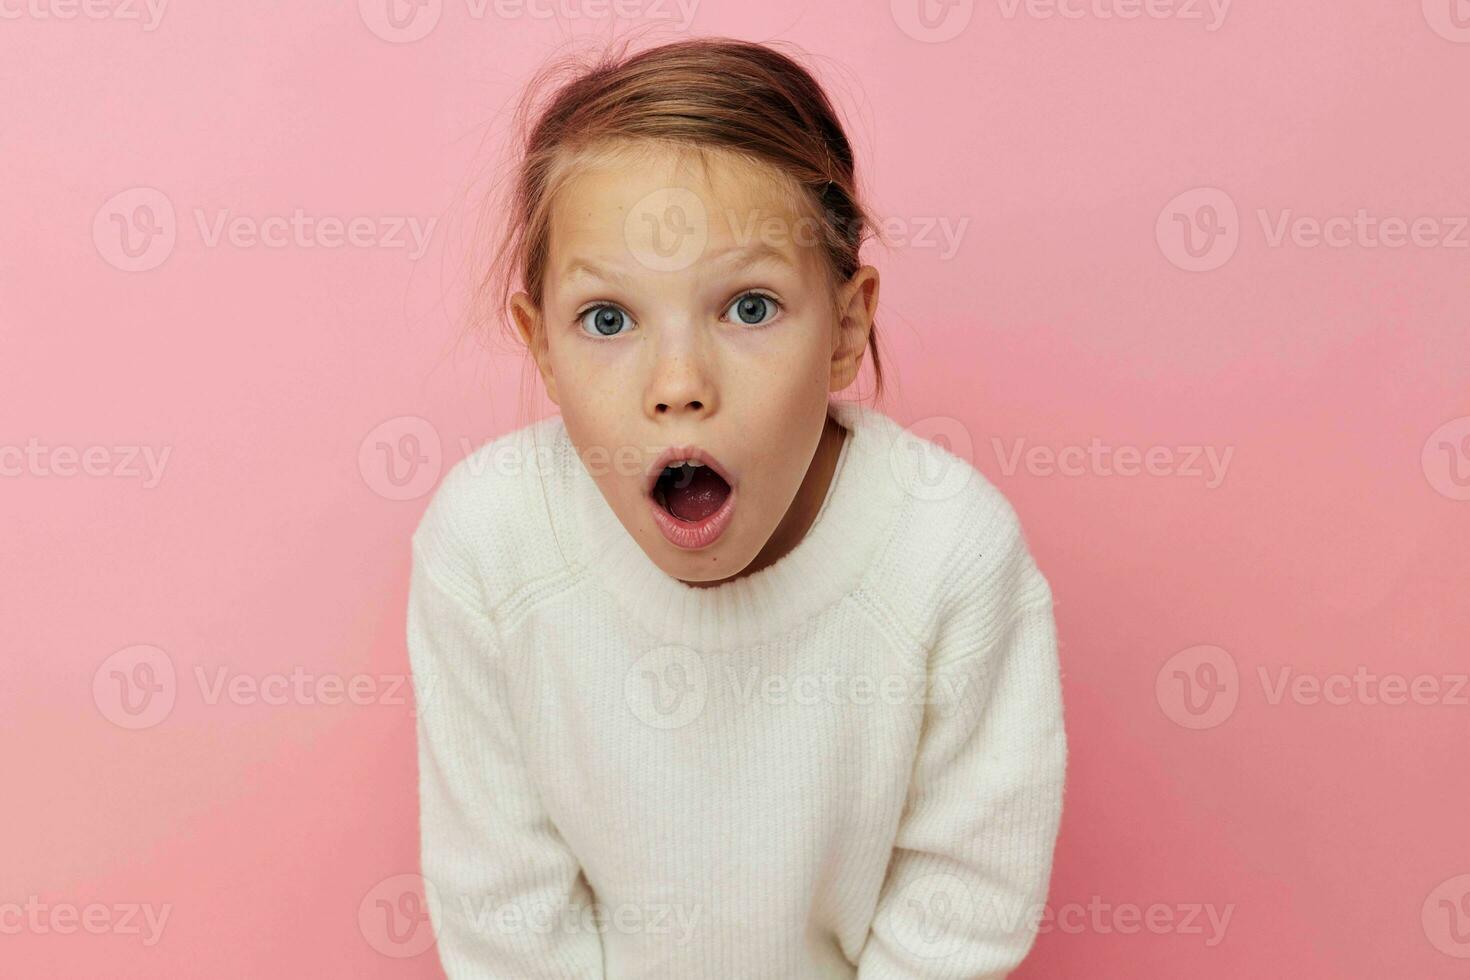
(673, 453)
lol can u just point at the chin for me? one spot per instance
(706, 566)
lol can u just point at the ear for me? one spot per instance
(857, 306)
(529, 322)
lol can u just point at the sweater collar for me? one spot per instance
(830, 561)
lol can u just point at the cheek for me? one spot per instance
(791, 354)
(583, 369)
(595, 389)
(786, 423)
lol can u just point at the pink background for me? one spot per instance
(1333, 835)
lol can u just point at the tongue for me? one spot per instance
(697, 497)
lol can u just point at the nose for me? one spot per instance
(682, 381)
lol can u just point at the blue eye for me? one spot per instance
(752, 309)
(603, 320)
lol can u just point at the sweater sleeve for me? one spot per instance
(508, 898)
(971, 864)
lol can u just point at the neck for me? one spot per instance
(804, 506)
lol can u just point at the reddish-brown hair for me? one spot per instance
(696, 96)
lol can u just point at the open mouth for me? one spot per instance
(690, 491)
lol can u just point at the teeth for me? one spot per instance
(685, 462)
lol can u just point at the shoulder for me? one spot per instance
(961, 546)
(486, 525)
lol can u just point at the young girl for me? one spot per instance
(721, 677)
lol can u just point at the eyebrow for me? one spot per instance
(759, 253)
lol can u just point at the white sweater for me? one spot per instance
(848, 764)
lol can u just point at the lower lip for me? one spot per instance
(696, 535)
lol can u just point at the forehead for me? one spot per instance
(663, 211)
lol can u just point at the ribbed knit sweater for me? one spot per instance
(847, 764)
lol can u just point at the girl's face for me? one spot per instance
(687, 307)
